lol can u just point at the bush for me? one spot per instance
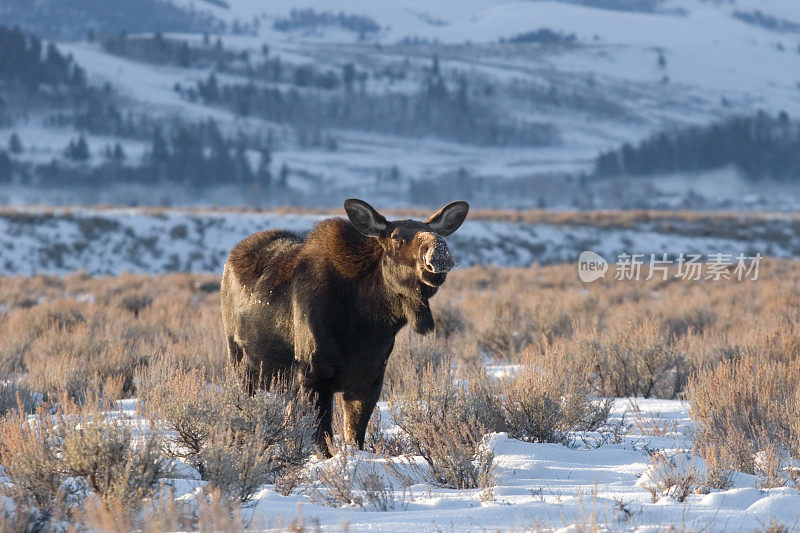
(633, 359)
(17, 396)
(346, 479)
(444, 421)
(119, 468)
(670, 476)
(445, 425)
(236, 442)
(29, 455)
(696, 320)
(508, 333)
(66, 452)
(748, 412)
(546, 399)
(449, 321)
(412, 354)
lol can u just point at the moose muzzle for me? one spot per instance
(436, 254)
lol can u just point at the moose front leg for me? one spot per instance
(324, 432)
(358, 407)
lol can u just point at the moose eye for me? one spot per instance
(396, 237)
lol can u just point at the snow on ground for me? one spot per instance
(111, 241)
(593, 480)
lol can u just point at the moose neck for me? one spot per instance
(407, 296)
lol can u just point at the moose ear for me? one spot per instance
(365, 218)
(449, 218)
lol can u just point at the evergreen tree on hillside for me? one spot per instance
(264, 174)
(78, 151)
(283, 177)
(159, 151)
(348, 76)
(220, 162)
(5, 167)
(187, 163)
(243, 167)
(23, 63)
(14, 144)
(209, 91)
(185, 55)
(119, 154)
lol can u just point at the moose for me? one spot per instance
(325, 310)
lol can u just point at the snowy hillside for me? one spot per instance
(111, 241)
(560, 81)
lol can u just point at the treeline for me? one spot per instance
(760, 146)
(165, 51)
(161, 50)
(200, 156)
(768, 22)
(25, 62)
(642, 6)
(435, 109)
(192, 155)
(542, 36)
(303, 19)
(35, 75)
(70, 19)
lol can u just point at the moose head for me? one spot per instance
(416, 258)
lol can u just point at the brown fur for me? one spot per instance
(349, 252)
(253, 257)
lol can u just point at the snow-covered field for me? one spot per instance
(599, 481)
(111, 241)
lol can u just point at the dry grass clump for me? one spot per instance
(444, 419)
(544, 401)
(237, 442)
(67, 452)
(29, 454)
(346, 480)
(14, 395)
(83, 335)
(635, 358)
(748, 411)
(670, 476)
(412, 353)
(445, 424)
